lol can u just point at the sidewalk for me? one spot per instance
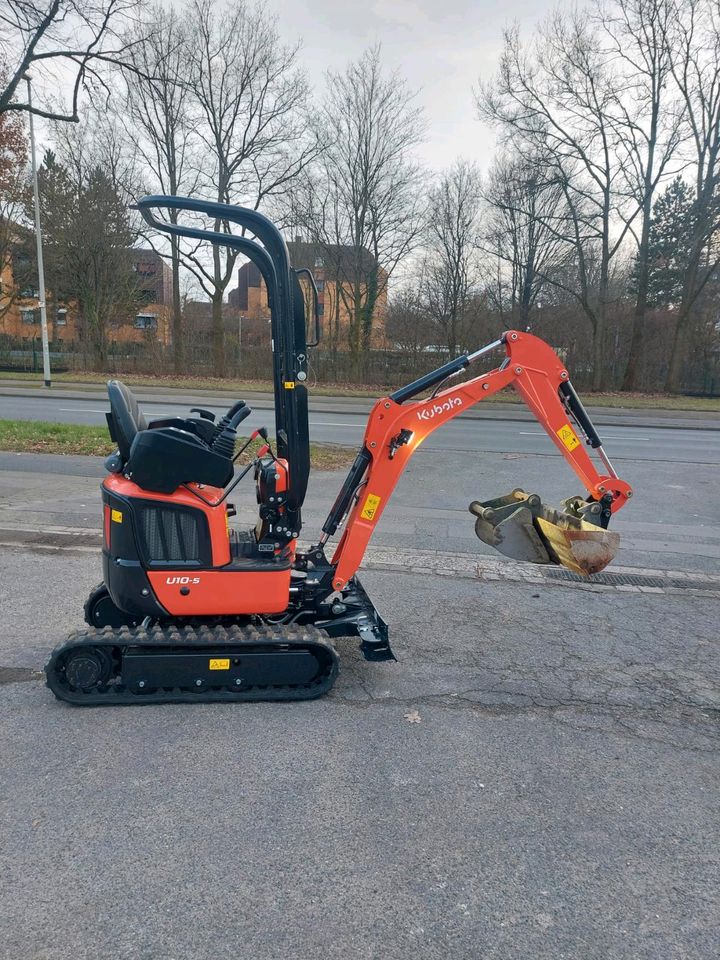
(361, 406)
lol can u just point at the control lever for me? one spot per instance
(204, 414)
(224, 442)
(226, 418)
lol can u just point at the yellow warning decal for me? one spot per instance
(220, 664)
(116, 516)
(370, 507)
(289, 384)
(568, 437)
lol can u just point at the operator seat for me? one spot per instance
(125, 419)
(162, 455)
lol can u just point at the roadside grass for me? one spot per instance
(215, 384)
(651, 401)
(39, 436)
(632, 401)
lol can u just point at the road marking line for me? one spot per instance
(353, 426)
(155, 413)
(78, 410)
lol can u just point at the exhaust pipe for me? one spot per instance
(521, 527)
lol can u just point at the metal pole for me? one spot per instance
(38, 239)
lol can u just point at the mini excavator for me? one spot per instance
(193, 608)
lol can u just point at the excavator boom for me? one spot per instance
(517, 524)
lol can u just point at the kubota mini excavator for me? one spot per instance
(193, 609)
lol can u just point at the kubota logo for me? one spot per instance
(171, 580)
(431, 412)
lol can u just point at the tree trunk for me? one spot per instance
(598, 376)
(218, 335)
(631, 378)
(689, 294)
(218, 330)
(598, 354)
(677, 354)
(177, 331)
(598, 343)
(369, 310)
(354, 330)
(99, 344)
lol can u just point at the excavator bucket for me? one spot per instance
(520, 526)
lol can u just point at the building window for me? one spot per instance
(146, 321)
(28, 315)
(321, 309)
(320, 286)
(61, 316)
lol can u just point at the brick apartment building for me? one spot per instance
(21, 320)
(329, 265)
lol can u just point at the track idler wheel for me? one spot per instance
(521, 527)
(88, 667)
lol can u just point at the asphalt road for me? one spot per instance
(657, 443)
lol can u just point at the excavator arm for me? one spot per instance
(517, 524)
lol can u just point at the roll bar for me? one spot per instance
(287, 317)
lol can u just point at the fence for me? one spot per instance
(381, 369)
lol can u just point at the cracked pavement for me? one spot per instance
(537, 777)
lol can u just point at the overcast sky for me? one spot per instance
(440, 46)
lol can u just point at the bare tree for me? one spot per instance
(694, 43)
(363, 202)
(161, 129)
(249, 99)
(525, 210)
(562, 100)
(54, 38)
(99, 140)
(451, 265)
(409, 325)
(650, 127)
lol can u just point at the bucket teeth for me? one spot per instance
(519, 526)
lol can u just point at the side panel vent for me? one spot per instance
(173, 535)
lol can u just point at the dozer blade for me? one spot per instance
(521, 527)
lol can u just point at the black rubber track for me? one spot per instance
(235, 638)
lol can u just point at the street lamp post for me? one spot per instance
(38, 240)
